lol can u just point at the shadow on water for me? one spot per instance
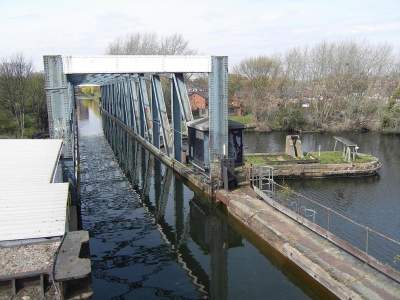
(153, 237)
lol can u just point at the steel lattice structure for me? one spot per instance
(131, 91)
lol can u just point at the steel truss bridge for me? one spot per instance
(131, 91)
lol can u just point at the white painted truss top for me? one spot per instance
(136, 64)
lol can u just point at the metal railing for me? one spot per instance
(367, 244)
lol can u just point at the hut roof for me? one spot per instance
(203, 124)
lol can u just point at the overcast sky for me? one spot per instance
(234, 28)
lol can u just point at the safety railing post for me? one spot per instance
(329, 219)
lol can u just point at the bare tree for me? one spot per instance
(150, 43)
(263, 75)
(344, 83)
(15, 73)
(38, 101)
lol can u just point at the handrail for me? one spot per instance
(382, 256)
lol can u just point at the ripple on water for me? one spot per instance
(129, 257)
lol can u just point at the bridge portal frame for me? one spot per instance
(124, 77)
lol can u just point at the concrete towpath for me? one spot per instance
(338, 271)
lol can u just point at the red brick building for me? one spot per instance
(199, 102)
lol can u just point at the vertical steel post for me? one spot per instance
(164, 125)
(155, 113)
(176, 121)
(146, 110)
(59, 95)
(218, 112)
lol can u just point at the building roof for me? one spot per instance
(203, 94)
(25, 160)
(31, 205)
(203, 124)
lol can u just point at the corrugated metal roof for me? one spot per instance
(28, 161)
(30, 205)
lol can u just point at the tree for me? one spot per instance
(263, 76)
(150, 44)
(15, 73)
(343, 83)
(38, 101)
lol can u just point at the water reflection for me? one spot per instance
(89, 116)
(219, 262)
(153, 237)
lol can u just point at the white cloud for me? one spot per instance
(236, 28)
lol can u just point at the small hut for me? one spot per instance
(198, 136)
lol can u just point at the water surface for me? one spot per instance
(152, 237)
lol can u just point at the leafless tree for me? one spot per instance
(150, 43)
(15, 73)
(345, 82)
(38, 100)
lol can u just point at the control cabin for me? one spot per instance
(198, 138)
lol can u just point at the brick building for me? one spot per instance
(199, 102)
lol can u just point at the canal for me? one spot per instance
(153, 237)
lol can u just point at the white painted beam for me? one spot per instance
(136, 64)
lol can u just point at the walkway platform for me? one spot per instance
(338, 271)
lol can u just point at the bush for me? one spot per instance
(289, 118)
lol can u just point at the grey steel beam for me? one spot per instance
(176, 120)
(59, 96)
(155, 114)
(160, 110)
(179, 82)
(145, 110)
(135, 104)
(218, 112)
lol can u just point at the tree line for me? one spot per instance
(23, 111)
(331, 86)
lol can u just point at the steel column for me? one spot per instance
(155, 114)
(60, 103)
(218, 112)
(158, 100)
(145, 109)
(176, 120)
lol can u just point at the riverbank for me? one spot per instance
(252, 126)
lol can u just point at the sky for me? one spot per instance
(238, 29)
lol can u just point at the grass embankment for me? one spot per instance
(271, 159)
(336, 157)
(326, 157)
(247, 119)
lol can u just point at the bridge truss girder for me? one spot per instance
(131, 91)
